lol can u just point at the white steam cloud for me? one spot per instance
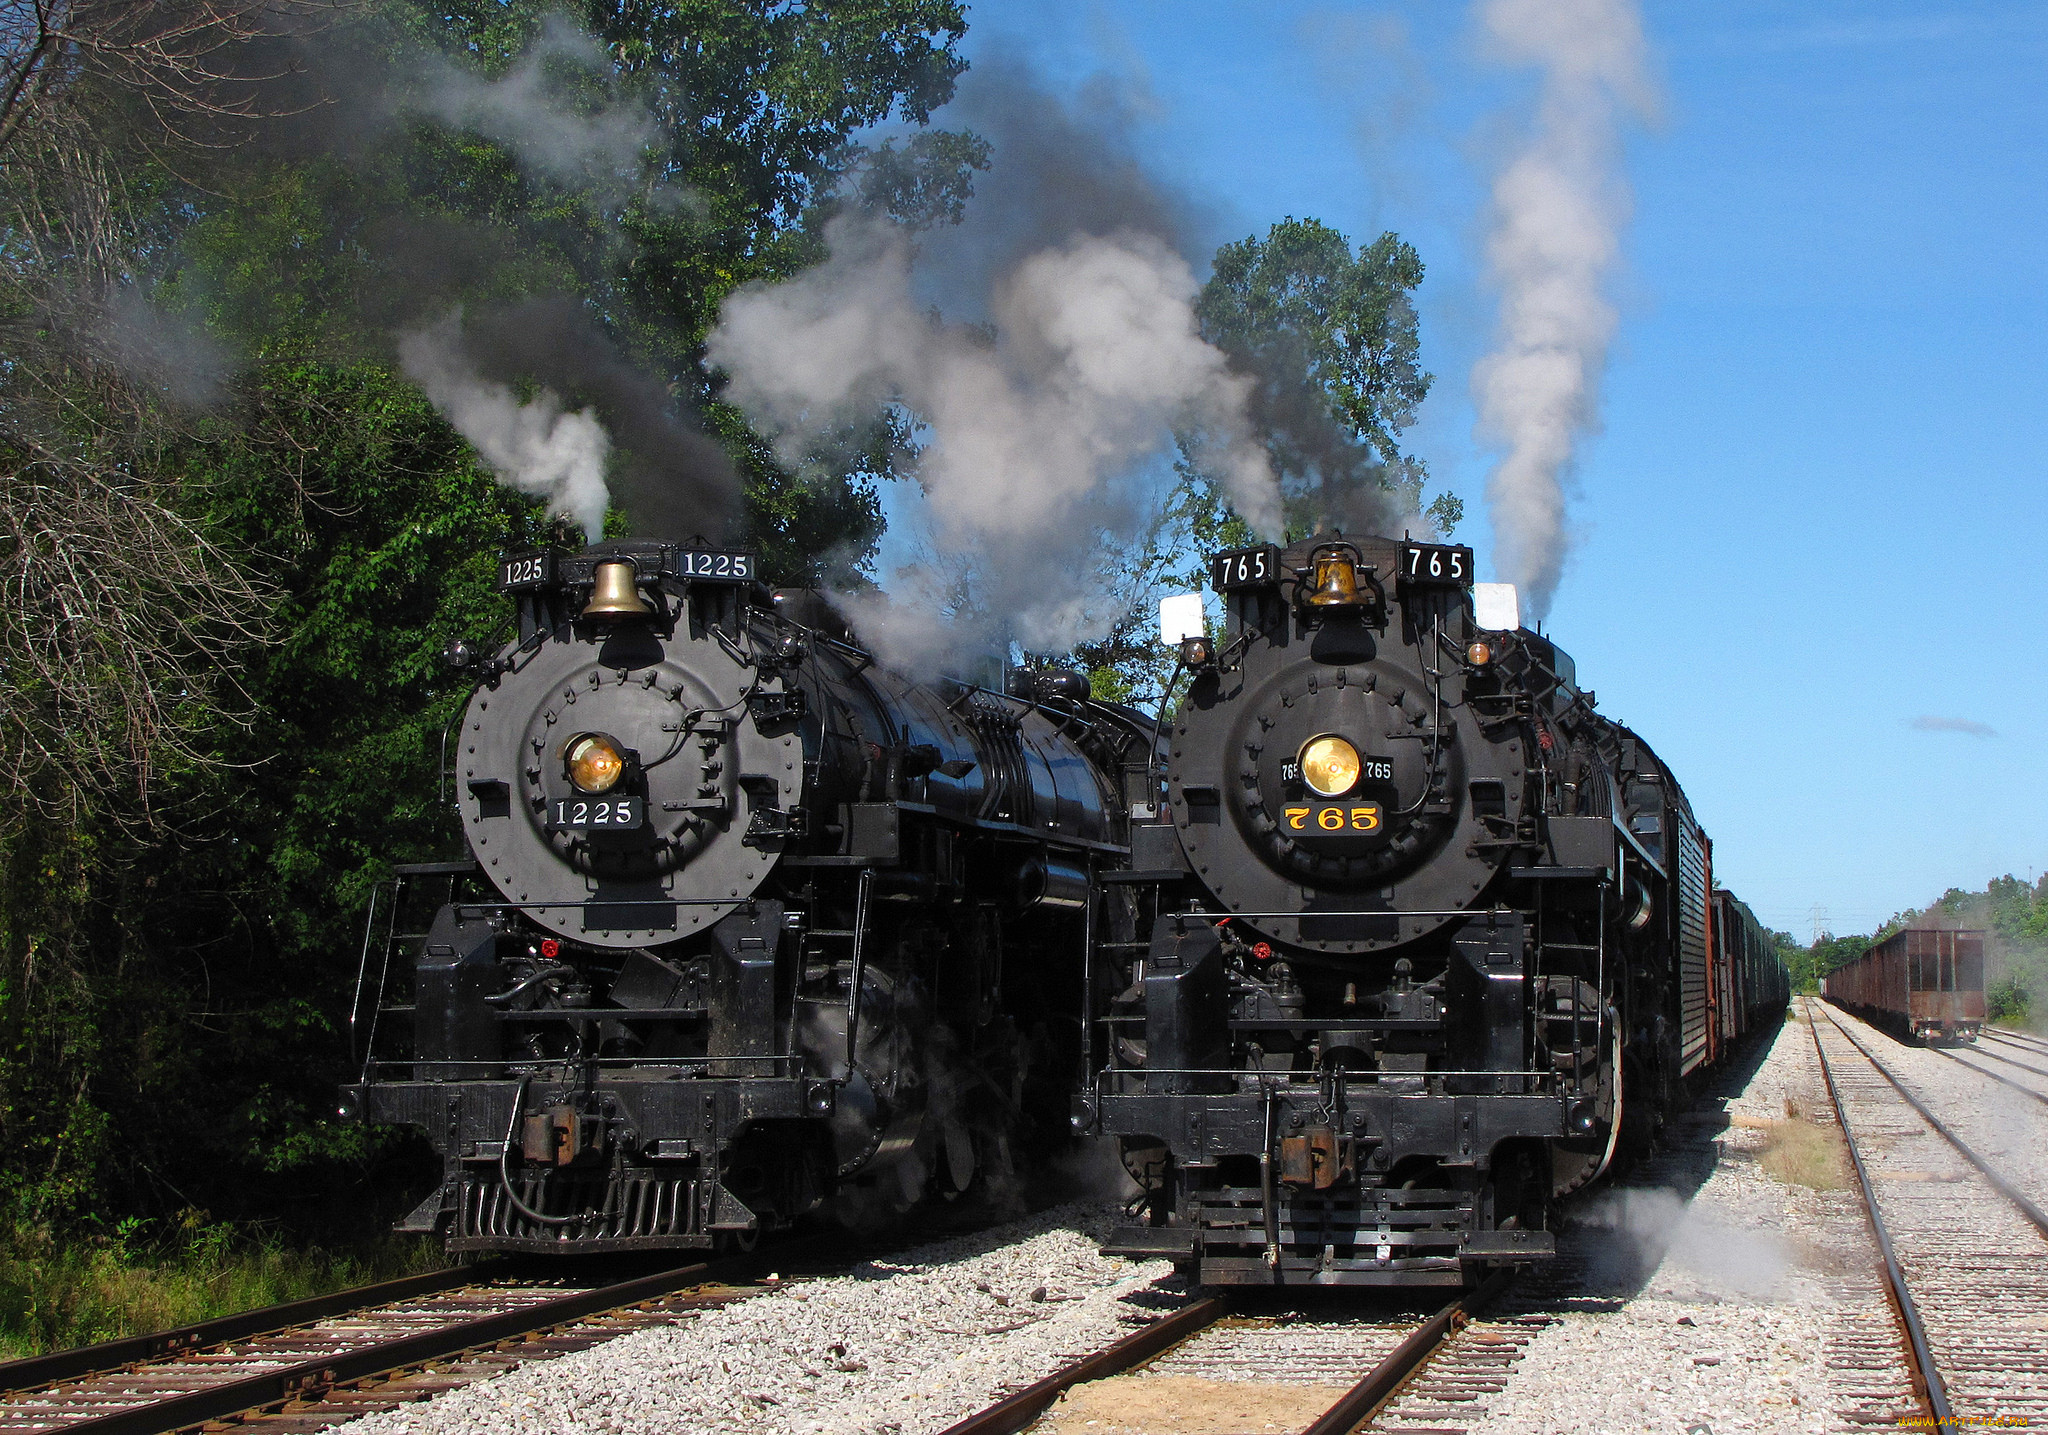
(1039, 429)
(535, 447)
(536, 115)
(1558, 208)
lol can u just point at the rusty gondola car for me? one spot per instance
(1924, 983)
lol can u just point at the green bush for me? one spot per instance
(2006, 1001)
(58, 1292)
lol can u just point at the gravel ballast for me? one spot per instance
(1708, 1291)
(897, 1347)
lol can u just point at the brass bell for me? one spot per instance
(1336, 582)
(616, 594)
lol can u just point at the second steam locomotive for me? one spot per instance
(1373, 950)
(1430, 940)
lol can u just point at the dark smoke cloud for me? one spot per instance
(536, 385)
(1329, 479)
(673, 480)
(1059, 170)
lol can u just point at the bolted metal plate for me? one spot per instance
(1426, 854)
(679, 705)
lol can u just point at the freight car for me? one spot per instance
(1750, 985)
(1429, 942)
(1922, 983)
(748, 925)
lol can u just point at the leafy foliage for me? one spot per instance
(1331, 341)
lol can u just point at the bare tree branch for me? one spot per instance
(190, 62)
(123, 626)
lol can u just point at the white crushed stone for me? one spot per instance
(896, 1347)
(1700, 1302)
(2006, 1127)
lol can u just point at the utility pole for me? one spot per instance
(1820, 921)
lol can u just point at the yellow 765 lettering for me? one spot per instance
(1296, 817)
(1365, 819)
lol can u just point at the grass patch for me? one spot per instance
(1799, 1153)
(56, 1293)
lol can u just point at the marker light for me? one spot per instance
(1478, 655)
(595, 765)
(1330, 766)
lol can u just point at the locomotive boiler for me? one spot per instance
(748, 924)
(1427, 938)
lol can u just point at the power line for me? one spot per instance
(1820, 920)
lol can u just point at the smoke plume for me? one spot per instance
(1558, 207)
(533, 110)
(536, 447)
(1045, 428)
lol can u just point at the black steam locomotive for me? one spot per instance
(1429, 938)
(760, 924)
(1383, 945)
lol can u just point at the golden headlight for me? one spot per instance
(594, 764)
(1329, 765)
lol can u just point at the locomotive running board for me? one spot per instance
(1150, 1243)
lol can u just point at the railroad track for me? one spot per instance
(1965, 1253)
(1327, 1376)
(2020, 1086)
(2025, 1040)
(310, 1364)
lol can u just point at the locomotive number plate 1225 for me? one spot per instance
(610, 814)
(711, 566)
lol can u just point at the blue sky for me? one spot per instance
(1816, 509)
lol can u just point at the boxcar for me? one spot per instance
(1923, 983)
(1749, 987)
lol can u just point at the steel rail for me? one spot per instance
(1991, 1075)
(1995, 1056)
(1014, 1412)
(1384, 1381)
(309, 1379)
(1927, 1382)
(2005, 1188)
(2024, 1040)
(37, 1370)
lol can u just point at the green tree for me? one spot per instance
(1331, 340)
